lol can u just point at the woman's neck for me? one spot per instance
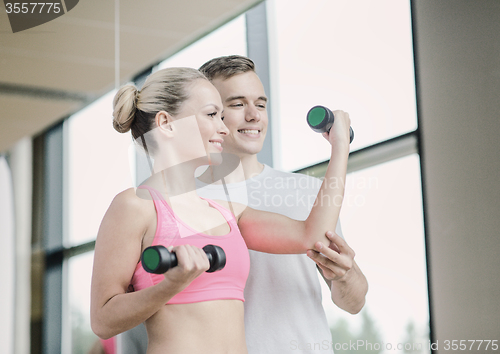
(175, 180)
(248, 167)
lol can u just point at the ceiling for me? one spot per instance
(50, 71)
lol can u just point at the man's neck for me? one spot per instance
(249, 167)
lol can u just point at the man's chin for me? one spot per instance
(248, 149)
(253, 150)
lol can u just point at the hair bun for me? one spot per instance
(124, 108)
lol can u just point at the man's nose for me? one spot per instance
(252, 113)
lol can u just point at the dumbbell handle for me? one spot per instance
(158, 259)
(320, 119)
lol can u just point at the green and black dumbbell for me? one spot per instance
(158, 259)
(320, 119)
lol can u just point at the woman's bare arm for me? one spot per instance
(117, 252)
(275, 233)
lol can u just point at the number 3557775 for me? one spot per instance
(471, 345)
(33, 7)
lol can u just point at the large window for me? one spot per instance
(98, 168)
(357, 56)
(350, 55)
(382, 220)
(80, 338)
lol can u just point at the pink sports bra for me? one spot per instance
(227, 283)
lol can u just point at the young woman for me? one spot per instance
(176, 117)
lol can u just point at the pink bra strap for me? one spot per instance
(158, 199)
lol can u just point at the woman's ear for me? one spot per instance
(164, 121)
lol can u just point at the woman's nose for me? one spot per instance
(223, 129)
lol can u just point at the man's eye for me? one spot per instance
(221, 118)
(237, 105)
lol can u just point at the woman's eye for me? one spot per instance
(212, 114)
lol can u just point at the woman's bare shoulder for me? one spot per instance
(128, 214)
(133, 201)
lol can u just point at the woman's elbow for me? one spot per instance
(311, 237)
(101, 331)
(100, 328)
(308, 244)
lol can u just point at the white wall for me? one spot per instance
(458, 73)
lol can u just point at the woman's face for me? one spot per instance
(205, 129)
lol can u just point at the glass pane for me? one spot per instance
(382, 221)
(227, 40)
(79, 277)
(351, 55)
(98, 168)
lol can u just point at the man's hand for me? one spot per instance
(336, 260)
(347, 283)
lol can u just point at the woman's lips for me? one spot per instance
(217, 144)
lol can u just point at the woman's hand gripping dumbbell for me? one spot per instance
(157, 259)
(320, 119)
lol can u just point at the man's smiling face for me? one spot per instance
(245, 112)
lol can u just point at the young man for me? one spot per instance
(283, 307)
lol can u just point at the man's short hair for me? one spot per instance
(226, 67)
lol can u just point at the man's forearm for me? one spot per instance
(349, 292)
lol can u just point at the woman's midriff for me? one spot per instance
(204, 327)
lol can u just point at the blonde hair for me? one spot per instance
(164, 90)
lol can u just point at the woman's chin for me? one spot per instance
(214, 159)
